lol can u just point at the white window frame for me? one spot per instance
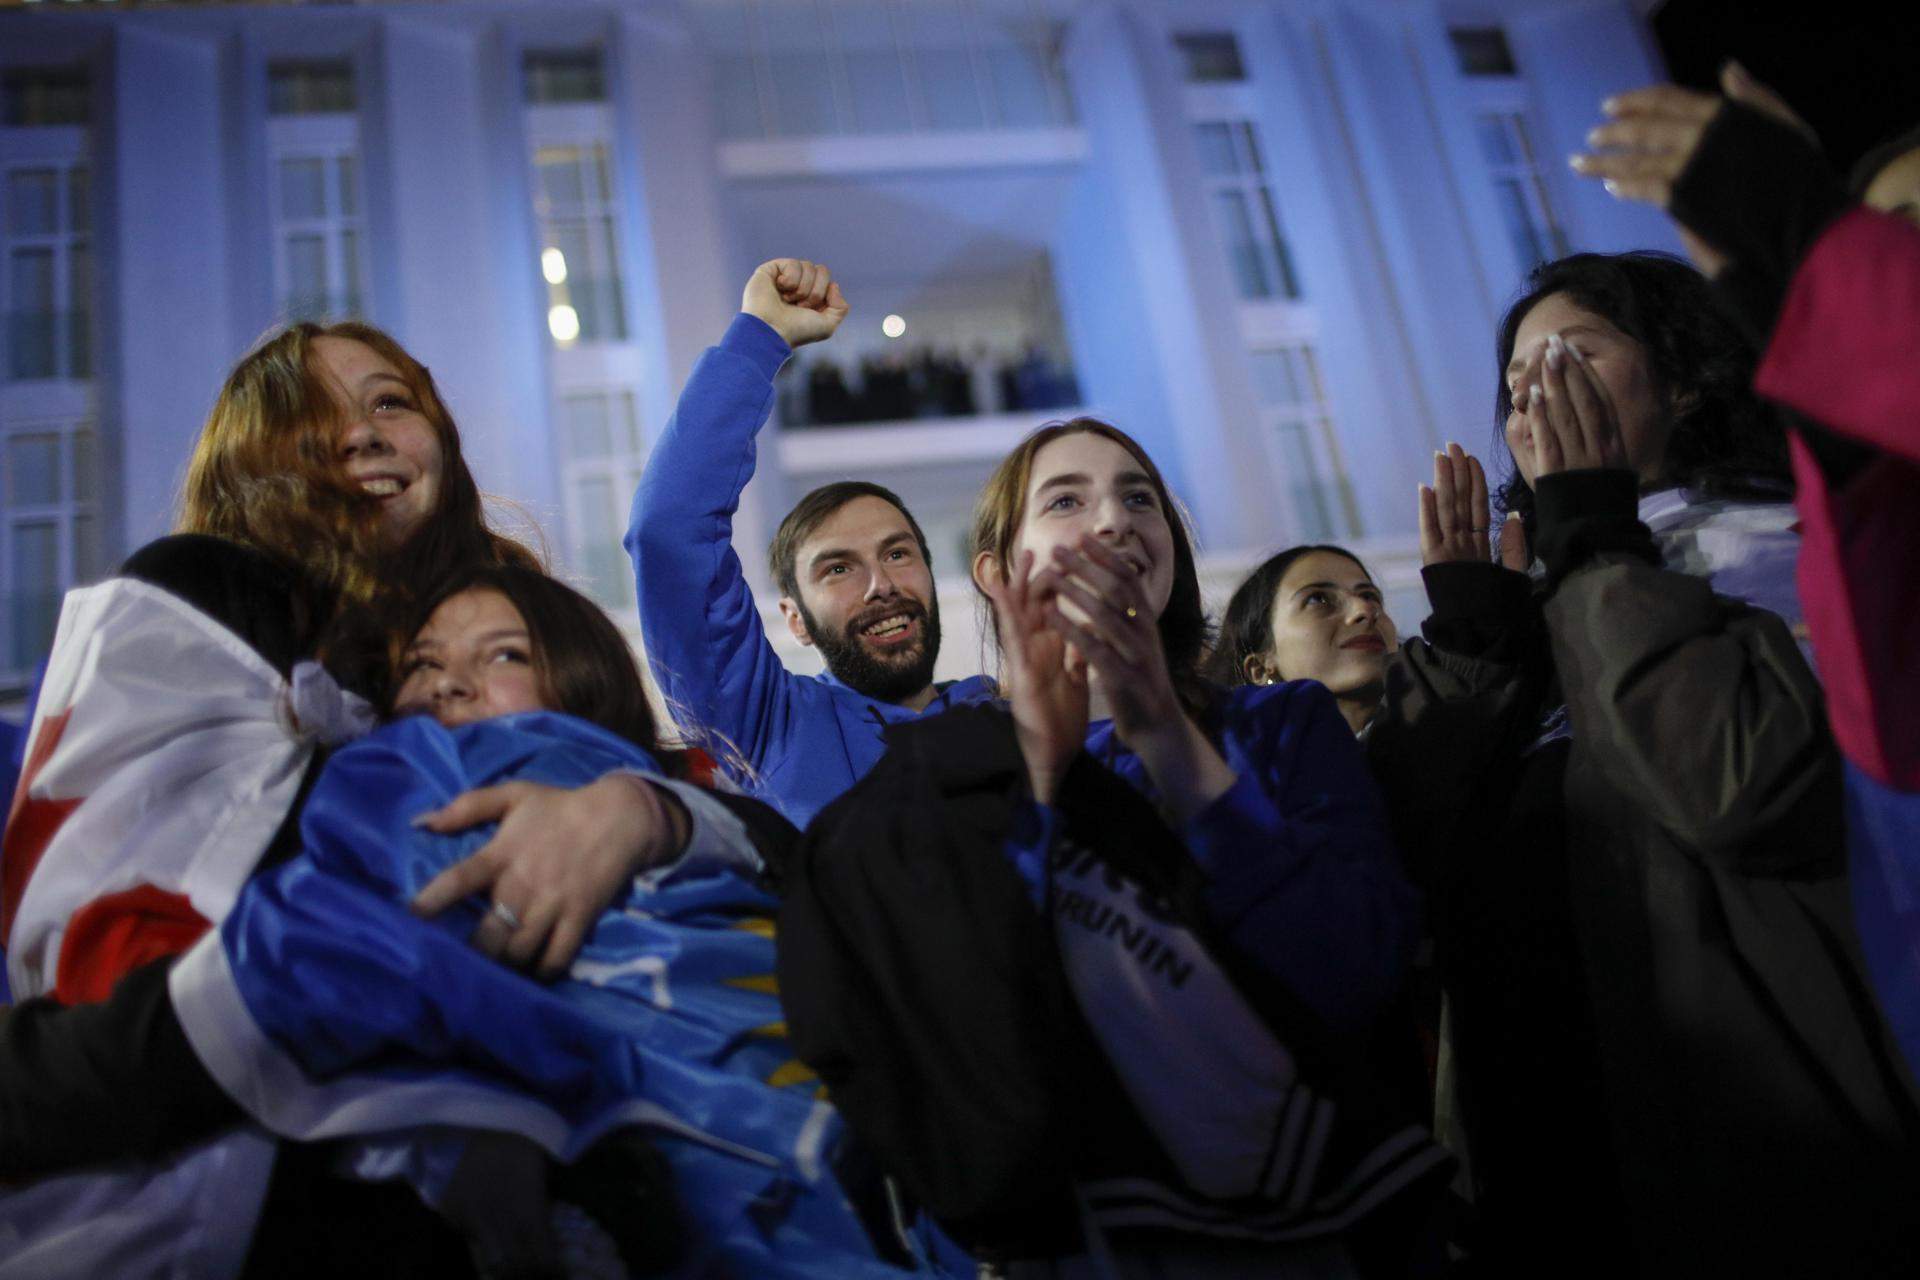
(334, 140)
(61, 148)
(73, 562)
(1506, 98)
(585, 126)
(619, 467)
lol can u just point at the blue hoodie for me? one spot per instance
(804, 738)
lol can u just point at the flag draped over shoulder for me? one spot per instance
(160, 762)
(328, 1009)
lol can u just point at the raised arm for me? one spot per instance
(698, 618)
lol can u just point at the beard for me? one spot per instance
(890, 677)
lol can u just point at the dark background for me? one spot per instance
(1851, 70)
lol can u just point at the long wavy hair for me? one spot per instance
(1246, 630)
(1722, 440)
(1002, 507)
(266, 472)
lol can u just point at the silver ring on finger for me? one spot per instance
(506, 914)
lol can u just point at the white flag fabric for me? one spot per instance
(174, 741)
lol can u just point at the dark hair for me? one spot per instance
(582, 664)
(996, 524)
(1884, 153)
(1722, 439)
(1246, 631)
(783, 553)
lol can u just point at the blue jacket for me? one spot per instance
(803, 739)
(1302, 876)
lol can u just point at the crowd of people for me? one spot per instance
(930, 382)
(361, 915)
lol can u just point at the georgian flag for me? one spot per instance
(162, 758)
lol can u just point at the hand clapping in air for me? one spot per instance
(1047, 680)
(1456, 518)
(798, 299)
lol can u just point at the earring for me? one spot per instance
(1264, 680)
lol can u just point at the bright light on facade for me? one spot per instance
(563, 322)
(553, 265)
(893, 326)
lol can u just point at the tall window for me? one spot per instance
(1305, 450)
(573, 202)
(49, 539)
(1520, 185)
(1244, 213)
(604, 454)
(313, 140)
(49, 277)
(1526, 208)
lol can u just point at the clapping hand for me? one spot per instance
(1048, 681)
(1456, 518)
(798, 299)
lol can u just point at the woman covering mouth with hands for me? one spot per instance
(1617, 786)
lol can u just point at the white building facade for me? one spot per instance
(1269, 239)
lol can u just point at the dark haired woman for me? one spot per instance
(1639, 894)
(1310, 613)
(1263, 805)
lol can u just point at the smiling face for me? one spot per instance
(1084, 484)
(866, 599)
(388, 447)
(1620, 363)
(1328, 623)
(472, 661)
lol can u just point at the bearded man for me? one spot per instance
(854, 572)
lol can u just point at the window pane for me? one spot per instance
(306, 276)
(605, 562)
(1217, 156)
(350, 273)
(79, 310)
(79, 199)
(1521, 232)
(32, 202)
(564, 77)
(44, 97)
(1277, 243)
(349, 187)
(879, 87)
(559, 176)
(1210, 57)
(609, 311)
(36, 588)
(1250, 146)
(802, 75)
(1495, 142)
(628, 424)
(1243, 255)
(588, 434)
(303, 188)
(943, 64)
(30, 318)
(33, 470)
(86, 550)
(310, 88)
(1482, 51)
(1020, 85)
(83, 466)
(1273, 377)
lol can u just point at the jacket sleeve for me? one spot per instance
(698, 620)
(96, 1083)
(1846, 350)
(1458, 702)
(1302, 876)
(1698, 708)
